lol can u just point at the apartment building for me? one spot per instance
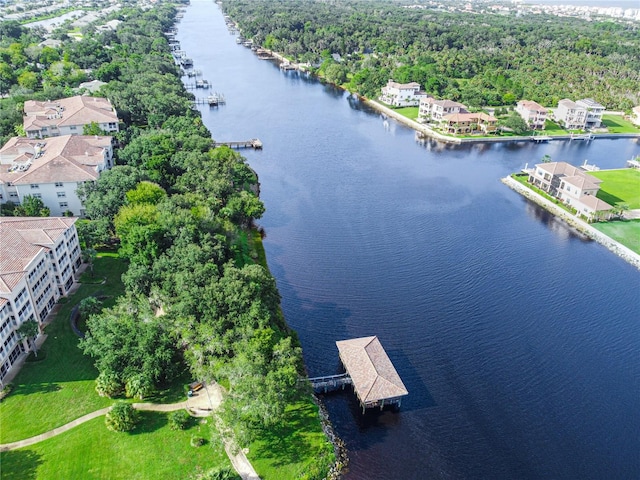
(68, 116)
(38, 257)
(533, 113)
(52, 169)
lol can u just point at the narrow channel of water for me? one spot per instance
(516, 337)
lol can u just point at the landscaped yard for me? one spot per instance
(61, 387)
(409, 112)
(617, 124)
(283, 453)
(625, 232)
(90, 451)
(619, 186)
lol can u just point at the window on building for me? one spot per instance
(59, 184)
(13, 195)
(63, 204)
(73, 127)
(37, 195)
(61, 194)
(34, 186)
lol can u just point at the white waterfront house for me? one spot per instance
(435, 110)
(533, 113)
(580, 115)
(52, 169)
(402, 94)
(68, 116)
(635, 115)
(38, 257)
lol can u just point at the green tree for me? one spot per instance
(89, 306)
(93, 129)
(29, 330)
(28, 80)
(32, 207)
(108, 385)
(122, 417)
(88, 256)
(146, 193)
(515, 123)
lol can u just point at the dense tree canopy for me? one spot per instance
(480, 60)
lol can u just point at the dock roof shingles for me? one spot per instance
(374, 376)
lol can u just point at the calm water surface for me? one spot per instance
(517, 338)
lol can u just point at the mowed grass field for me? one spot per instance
(618, 124)
(90, 451)
(619, 186)
(625, 232)
(60, 388)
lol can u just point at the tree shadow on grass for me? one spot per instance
(149, 423)
(20, 464)
(28, 389)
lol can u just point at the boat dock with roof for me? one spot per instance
(375, 380)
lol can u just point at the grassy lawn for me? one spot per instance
(625, 232)
(60, 388)
(552, 128)
(618, 186)
(90, 451)
(617, 124)
(298, 450)
(409, 112)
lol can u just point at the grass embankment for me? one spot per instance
(618, 124)
(626, 232)
(90, 451)
(60, 388)
(297, 450)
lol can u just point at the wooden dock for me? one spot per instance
(330, 383)
(540, 138)
(213, 100)
(254, 143)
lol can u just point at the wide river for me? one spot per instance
(517, 338)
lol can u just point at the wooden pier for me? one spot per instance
(540, 138)
(213, 100)
(254, 143)
(582, 136)
(330, 383)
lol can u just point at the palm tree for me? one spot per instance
(29, 330)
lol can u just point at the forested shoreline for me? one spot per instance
(479, 60)
(182, 214)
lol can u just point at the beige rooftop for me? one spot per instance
(78, 110)
(22, 238)
(374, 376)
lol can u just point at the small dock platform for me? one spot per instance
(286, 66)
(540, 138)
(213, 100)
(254, 143)
(582, 136)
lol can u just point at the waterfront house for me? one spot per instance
(533, 113)
(571, 115)
(38, 257)
(594, 112)
(68, 116)
(635, 115)
(457, 123)
(573, 186)
(435, 110)
(583, 114)
(51, 169)
(402, 94)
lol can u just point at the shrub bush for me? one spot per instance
(138, 386)
(122, 417)
(108, 385)
(179, 420)
(197, 441)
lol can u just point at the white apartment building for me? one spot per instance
(402, 94)
(533, 113)
(68, 116)
(635, 115)
(52, 169)
(38, 257)
(436, 110)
